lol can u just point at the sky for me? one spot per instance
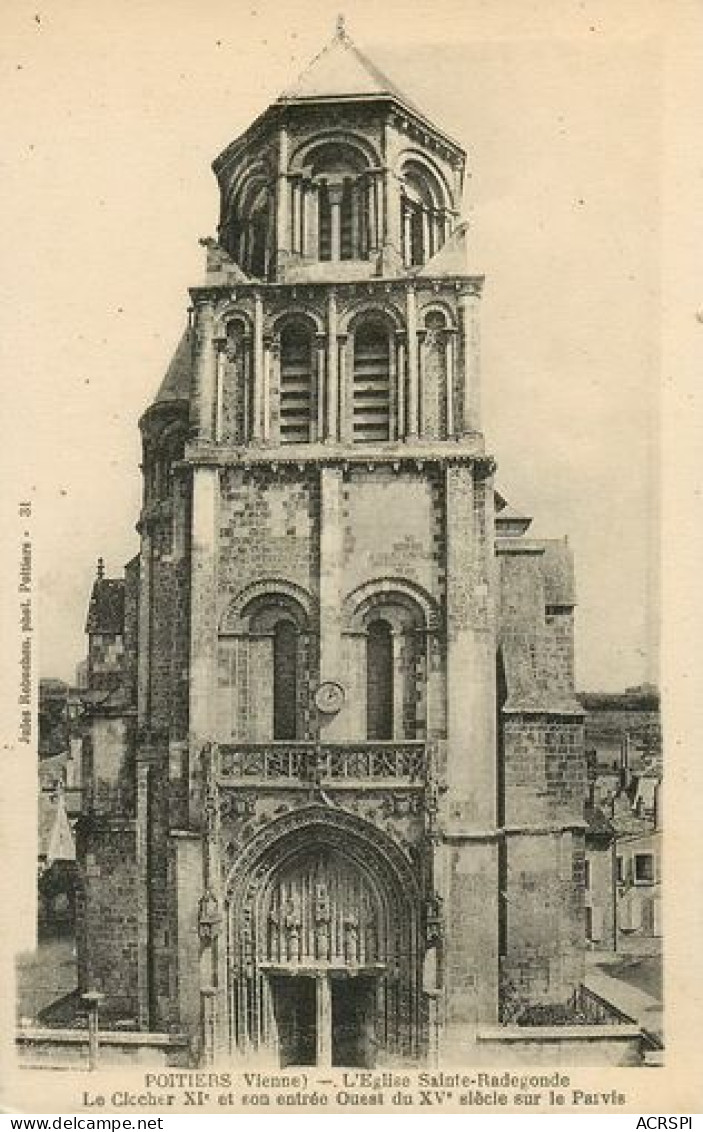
(112, 115)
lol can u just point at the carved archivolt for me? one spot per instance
(360, 150)
(411, 597)
(385, 312)
(268, 591)
(320, 890)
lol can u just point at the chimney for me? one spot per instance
(625, 769)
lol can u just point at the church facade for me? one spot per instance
(334, 792)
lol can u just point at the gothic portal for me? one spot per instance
(334, 790)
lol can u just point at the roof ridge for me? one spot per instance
(337, 37)
(341, 39)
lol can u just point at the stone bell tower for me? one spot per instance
(324, 741)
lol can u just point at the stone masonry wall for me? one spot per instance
(268, 529)
(411, 509)
(544, 785)
(542, 961)
(543, 770)
(163, 592)
(107, 917)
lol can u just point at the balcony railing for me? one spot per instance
(333, 763)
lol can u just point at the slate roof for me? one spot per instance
(509, 521)
(452, 258)
(558, 567)
(56, 841)
(176, 383)
(106, 608)
(341, 70)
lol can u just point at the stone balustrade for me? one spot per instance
(333, 763)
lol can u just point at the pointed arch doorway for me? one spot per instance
(325, 963)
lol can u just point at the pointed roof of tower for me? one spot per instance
(340, 73)
(176, 383)
(341, 70)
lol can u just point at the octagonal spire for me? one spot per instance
(342, 71)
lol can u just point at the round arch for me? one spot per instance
(435, 307)
(362, 603)
(272, 592)
(248, 178)
(415, 160)
(229, 313)
(297, 313)
(387, 314)
(366, 154)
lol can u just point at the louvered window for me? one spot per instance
(371, 383)
(296, 384)
(343, 236)
(346, 235)
(325, 222)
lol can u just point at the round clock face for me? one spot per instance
(329, 697)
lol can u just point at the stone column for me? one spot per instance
(346, 408)
(332, 369)
(258, 367)
(295, 215)
(356, 202)
(392, 391)
(203, 391)
(398, 684)
(449, 379)
(304, 219)
(321, 347)
(374, 212)
(220, 363)
(426, 235)
(185, 864)
(435, 723)
(335, 192)
(247, 389)
(312, 214)
(469, 313)
(324, 1022)
(470, 868)
(471, 646)
(146, 571)
(270, 381)
(401, 398)
(407, 234)
(143, 901)
(413, 365)
(203, 623)
(391, 193)
(331, 568)
(282, 222)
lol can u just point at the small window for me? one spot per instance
(379, 681)
(587, 875)
(619, 871)
(644, 868)
(285, 680)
